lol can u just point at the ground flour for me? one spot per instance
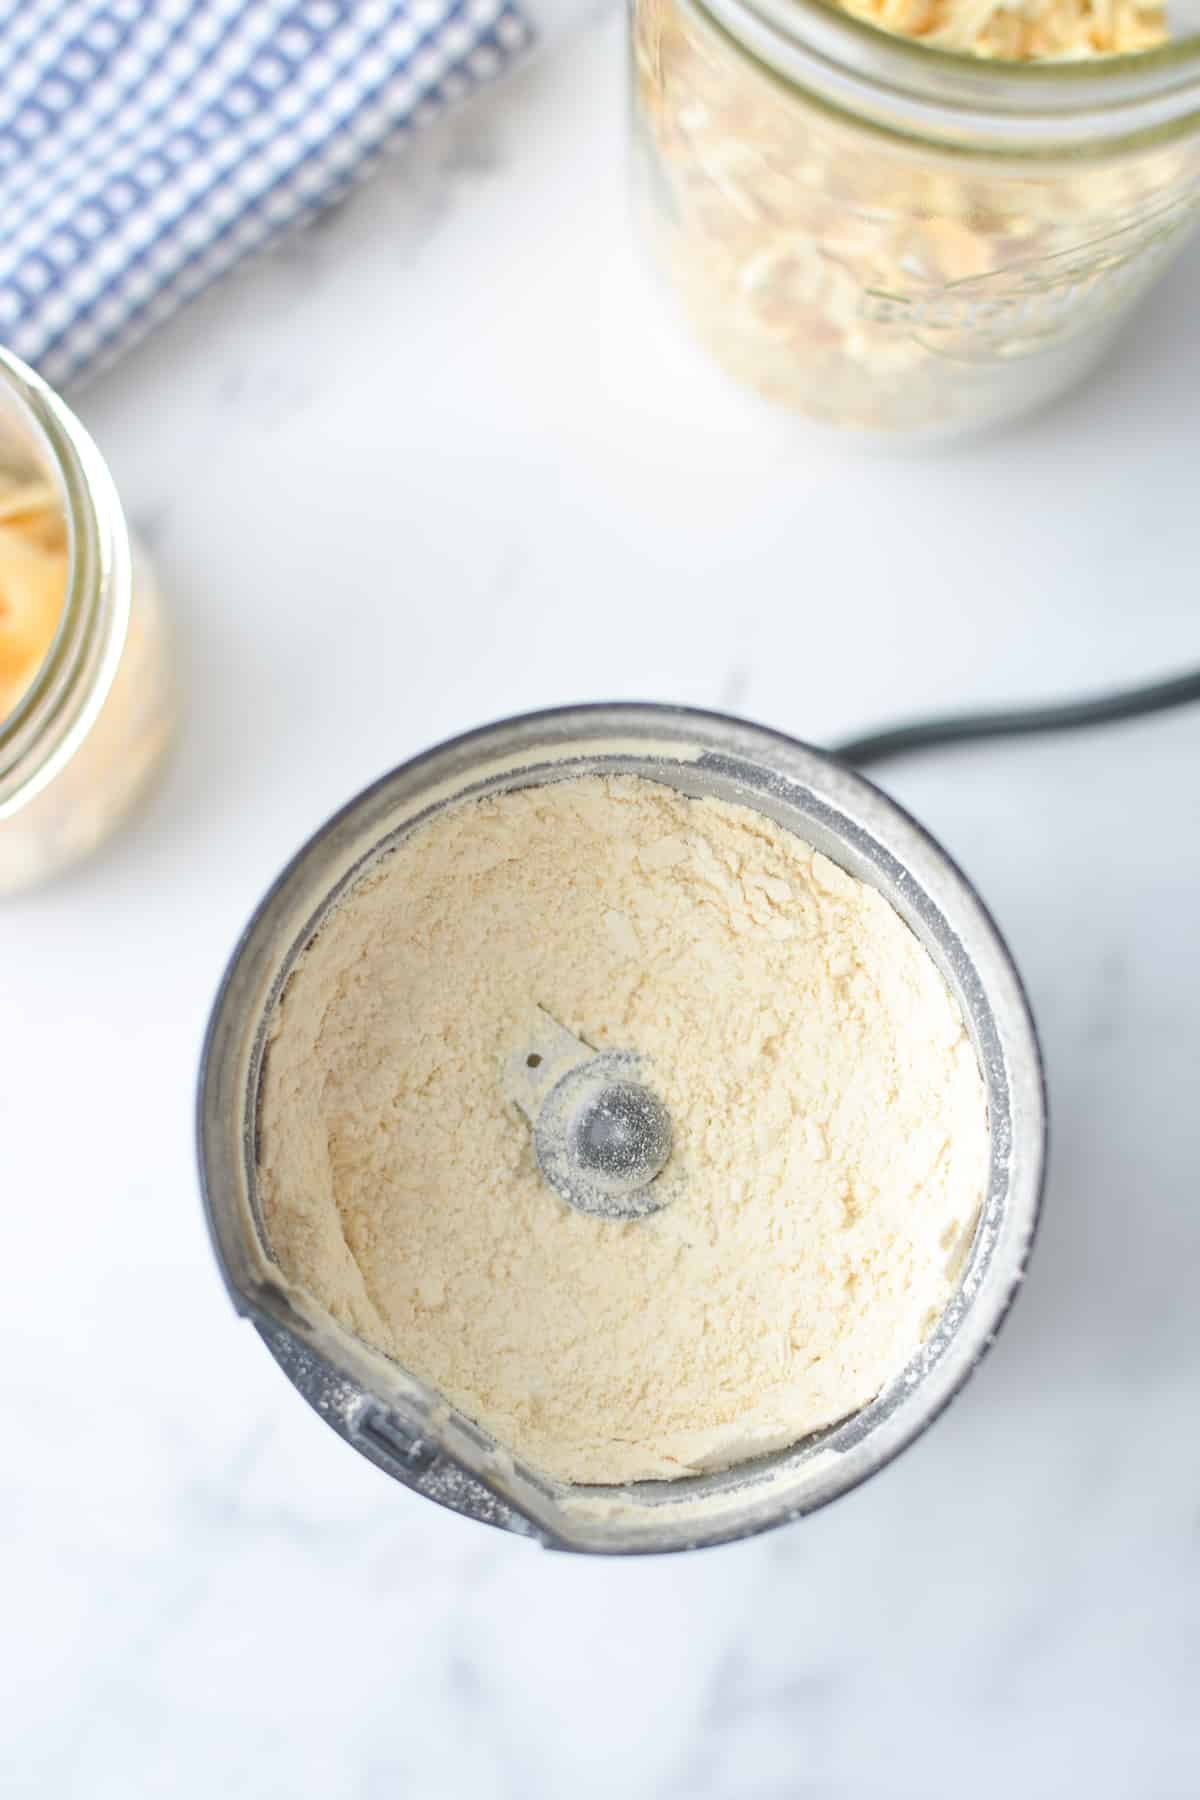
(830, 1128)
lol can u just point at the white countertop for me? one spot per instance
(446, 458)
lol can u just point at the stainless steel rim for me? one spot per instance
(395, 1420)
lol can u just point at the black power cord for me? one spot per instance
(1071, 715)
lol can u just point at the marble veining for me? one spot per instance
(446, 458)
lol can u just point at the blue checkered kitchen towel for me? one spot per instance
(146, 146)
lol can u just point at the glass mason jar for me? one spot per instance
(895, 239)
(91, 725)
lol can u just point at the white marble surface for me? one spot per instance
(443, 459)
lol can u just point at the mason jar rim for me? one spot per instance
(73, 681)
(969, 103)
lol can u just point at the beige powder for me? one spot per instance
(830, 1147)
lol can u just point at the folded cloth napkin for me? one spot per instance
(146, 146)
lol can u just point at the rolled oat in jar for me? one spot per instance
(920, 230)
